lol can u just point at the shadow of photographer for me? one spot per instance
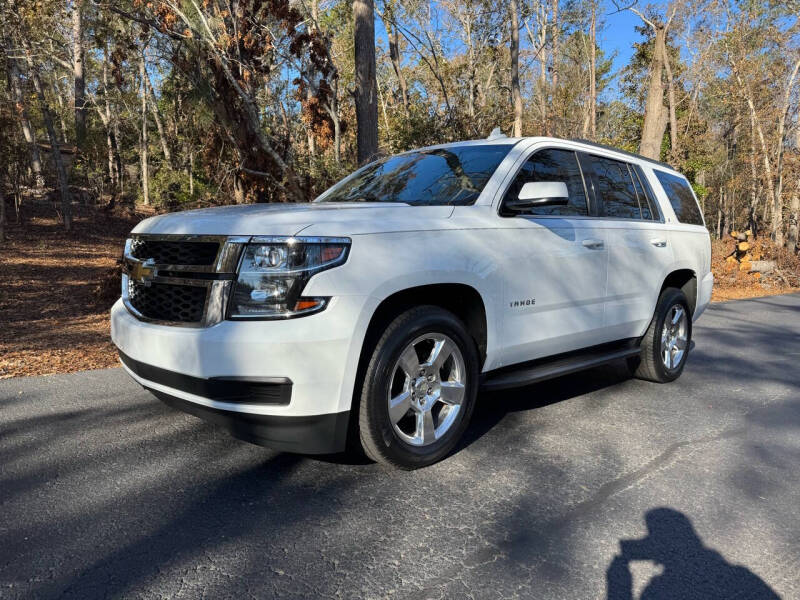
(690, 570)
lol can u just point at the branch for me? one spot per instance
(642, 17)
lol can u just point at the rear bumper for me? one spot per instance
(704, 289)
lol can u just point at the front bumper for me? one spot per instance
(315, 434)
(285, 384)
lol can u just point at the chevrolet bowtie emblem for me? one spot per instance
(143, 272)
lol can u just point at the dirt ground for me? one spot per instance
(56, 289)
(52, 317)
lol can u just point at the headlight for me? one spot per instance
(273, 272)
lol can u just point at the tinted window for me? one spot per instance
(616, 188)
(680, 197)
(554, 165)
(454, 175)
(644, 201)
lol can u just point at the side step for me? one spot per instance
(562, 364)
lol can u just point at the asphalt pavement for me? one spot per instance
(590, 486)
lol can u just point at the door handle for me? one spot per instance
(593, 244)
(659, 242)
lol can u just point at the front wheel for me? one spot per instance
(419, 389)
(665, 345)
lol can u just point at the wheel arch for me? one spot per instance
(686, 281)
(461, 299)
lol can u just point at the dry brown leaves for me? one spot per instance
(52, 319)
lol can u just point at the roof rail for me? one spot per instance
(625, 152)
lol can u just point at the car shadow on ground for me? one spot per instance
(492, 407)
(690, 569)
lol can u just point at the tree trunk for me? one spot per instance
(143, 135)
(78, 76)
(2, 214)
(238, 189)
(792, 234)
(593, 73)
(114, 160)
(157, 118)
(394, 52)
(516, 94)
(366, 88)
(471, 69)
(673, 119)
(60, 99)
(21, 111)
(55, 150)
(752, 217)
(655, 121)
(555, 58)
(120, 167)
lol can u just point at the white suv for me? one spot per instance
(377, 312)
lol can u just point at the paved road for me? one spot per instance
(105, 492)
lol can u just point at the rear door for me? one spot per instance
(555, 265)
(639, 250)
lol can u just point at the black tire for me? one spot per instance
(378, 438)
(649, 365)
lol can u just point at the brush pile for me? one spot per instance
(745, 266)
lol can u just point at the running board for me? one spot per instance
(564, 364)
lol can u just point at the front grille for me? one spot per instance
(165, 252)
(167, 302)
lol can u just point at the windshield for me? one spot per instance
(442, 176)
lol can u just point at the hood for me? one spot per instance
(334, 219)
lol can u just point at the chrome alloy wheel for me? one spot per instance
(674, 336)
(426, 389)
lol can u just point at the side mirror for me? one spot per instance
(539, 193)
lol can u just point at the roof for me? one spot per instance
(516, 140)
(625, 152)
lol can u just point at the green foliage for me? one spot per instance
(169, 189)
(700, 191)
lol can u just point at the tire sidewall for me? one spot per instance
(377, 381)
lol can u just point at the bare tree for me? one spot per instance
(21, 108)
(152, 101)
(655, 116)
(143, 134)
(55, 150)
(393, 33)
(516, 94)
(592, 121)
(78, 75)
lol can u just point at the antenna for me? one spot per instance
(496, 134)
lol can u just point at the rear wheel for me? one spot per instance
(419, 389)
(665, 345)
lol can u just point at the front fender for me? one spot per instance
(382, 265)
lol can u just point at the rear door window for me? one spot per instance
(681, 197)
(616, 189)
(553, 164)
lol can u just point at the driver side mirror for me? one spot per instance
(539, 193)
